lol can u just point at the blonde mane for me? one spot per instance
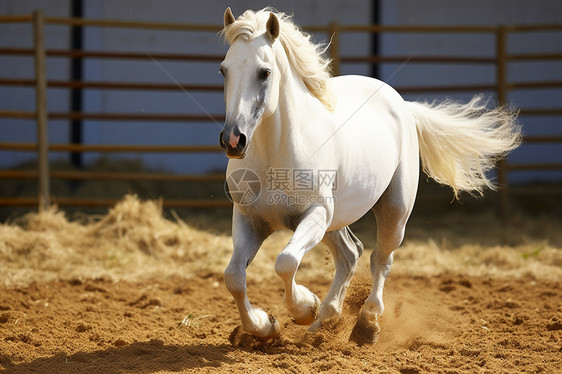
(303, 55)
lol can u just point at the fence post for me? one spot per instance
(501, 81)
(335, 48)
(41, 110)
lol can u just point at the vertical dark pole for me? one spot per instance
(375, 37)
(76, 93)
(41, 110)
(501, 81)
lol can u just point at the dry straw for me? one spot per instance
(135, 242)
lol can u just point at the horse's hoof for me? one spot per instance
(270, 328)
(307, 315)
(365, 331)
(240, 338)
(264, 325)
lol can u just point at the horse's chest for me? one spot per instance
(279, 210)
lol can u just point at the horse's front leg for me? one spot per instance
(301, 302)
(247, 237)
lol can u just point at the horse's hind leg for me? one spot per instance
(391, 212)
(391, 223)
(346, 250)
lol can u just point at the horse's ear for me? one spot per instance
(228, 17)
(272, 26)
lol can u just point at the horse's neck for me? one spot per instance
(285, 133)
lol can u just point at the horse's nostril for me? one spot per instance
(241, 142)
(221, 141)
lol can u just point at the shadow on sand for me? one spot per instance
(142, 357)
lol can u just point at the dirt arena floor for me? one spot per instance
(132, 292)
(441, 324)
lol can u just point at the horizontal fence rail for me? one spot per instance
(114, 85)
(501, 87)
(113, 55)
(98, 203)
(117, 116)
(84, 175)
(32, 147)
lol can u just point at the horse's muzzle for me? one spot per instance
(233, 143)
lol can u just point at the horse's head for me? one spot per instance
(251, 85)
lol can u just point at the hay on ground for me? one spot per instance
(135, 242)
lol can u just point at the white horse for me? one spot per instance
(330, 149)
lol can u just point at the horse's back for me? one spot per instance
(350, 88)
(372, 108)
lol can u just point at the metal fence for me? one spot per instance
(501, 86)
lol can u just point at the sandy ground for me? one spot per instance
(132, 292)
(437, 324)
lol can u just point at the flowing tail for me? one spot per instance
(459, 143)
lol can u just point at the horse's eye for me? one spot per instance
(264, 74)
